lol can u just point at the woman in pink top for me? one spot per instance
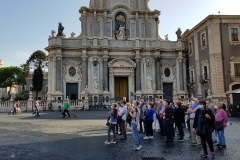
(221, 116)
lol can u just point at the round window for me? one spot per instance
(167, 72)
(72, 71)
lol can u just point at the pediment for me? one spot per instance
(122, 63)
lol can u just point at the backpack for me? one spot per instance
(129, 117)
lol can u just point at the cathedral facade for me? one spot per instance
(119, 53)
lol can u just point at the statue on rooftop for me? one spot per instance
(60, 30)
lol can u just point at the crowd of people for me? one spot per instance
(204, 120)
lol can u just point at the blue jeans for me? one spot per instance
(135, 134)
(221, 137)
(214, 135)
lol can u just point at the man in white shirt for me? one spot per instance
(122, 112)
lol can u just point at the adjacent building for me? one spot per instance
(213, 51)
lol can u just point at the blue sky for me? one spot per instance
(26, 24)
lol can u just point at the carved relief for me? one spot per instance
(95, 60)
(125, 63)
(72, 71)
(148, 61)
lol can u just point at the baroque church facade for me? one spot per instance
(119, 53)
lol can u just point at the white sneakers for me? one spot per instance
(148, 137)
(112, 142)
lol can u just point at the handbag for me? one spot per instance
(119, 119)
(218, 125)
(107, 124)
(161, 115)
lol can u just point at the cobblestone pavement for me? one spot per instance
(49, 137)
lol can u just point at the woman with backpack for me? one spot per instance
(203, 126)
(112, 122)
(222, 119)
(135, 115)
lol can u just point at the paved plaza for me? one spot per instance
(49, 137)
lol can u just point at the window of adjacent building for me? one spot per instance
(190, 47)
(237, 69)
(203, 39)
(142, 30)
(192, 78)
(205, 72)
(234, 34)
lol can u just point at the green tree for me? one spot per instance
(10, 76)
(37, 62)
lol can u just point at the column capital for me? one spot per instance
(84, 58)
(59, 57)
(105, 58)
(180, 59)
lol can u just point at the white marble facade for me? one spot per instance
(119, 38)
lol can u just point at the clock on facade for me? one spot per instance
(72, 71)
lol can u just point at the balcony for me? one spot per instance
(204, 79)
(191, 83)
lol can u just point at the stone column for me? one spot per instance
(184, 75)
(58, 79)
(146, 25)
(105, 72)
(95, 24)
(113, 27)
(54, 74)
(138, 71)
(84, 23)
(137, 8)
(104, 24)
(84, 69)
(137, 25)
(158, 74)
(50, 67)
(180, 63)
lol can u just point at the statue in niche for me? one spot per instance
(121, 33)
(149, 82)
(179, 32)
(95, 81)
(60, 30)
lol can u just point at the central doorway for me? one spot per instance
(72, 91)
(121, 88)
(168, 91)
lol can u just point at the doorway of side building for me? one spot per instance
(72, 91)
(121, 88)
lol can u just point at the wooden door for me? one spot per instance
(121, 87)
